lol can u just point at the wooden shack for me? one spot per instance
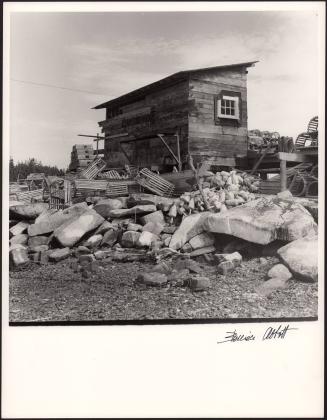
(200, 112)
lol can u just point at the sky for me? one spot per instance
(94, 57)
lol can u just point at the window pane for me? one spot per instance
(227, 111)
(232, 111)
(223, 110)
(232, 104)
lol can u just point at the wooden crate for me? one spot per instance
(83, 187)
(93, 169)
(117, 189)
(154, 183)
(60, 198)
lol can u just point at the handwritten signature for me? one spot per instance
(270, 333)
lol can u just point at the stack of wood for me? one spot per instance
(81, 156)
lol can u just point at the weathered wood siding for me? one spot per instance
(163, 110)
(211, 138)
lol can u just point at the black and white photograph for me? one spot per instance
(165, 168)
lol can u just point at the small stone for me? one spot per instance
(271, 285)
(100, 255)
(75, 267)
(135, 227)
(279, 271)
(59, 254)
(110, 238)
(38, 240)
(199, 284)
(202, 251)
(263, 261)
(156, 216)
(19, 228)
(285, 195)
(130, 239)
(93, 241)
(44, 258)
(83, 250)
(186, 248)
(19, 256)
(161, 268)
(35, 257)
(153, 227)
(17, 246)
(225, 267)
(167, 241)
(152, 279)
(235, 257)
(38, 248)
(19, 239)
(104, 228)
(169, 229)
(146, 239)
(86, 258)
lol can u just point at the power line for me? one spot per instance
(56, 87)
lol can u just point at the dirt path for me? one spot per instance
(55, 293)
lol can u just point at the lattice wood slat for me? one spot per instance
(154, 183)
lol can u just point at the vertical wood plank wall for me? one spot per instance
(186, 105)
(163, 110)
(210, 137)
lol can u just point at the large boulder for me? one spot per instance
(73, 230)
(301, 258)
(28, 211)
(203, 240)
(104, 207)
(141, 209)
(44, 216)
(40, 228)
(263, 220)
(191, 226)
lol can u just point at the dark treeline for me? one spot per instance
(23, 169)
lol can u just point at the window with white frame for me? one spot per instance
(228, 107)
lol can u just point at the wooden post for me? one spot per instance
(97, 143)
(283, 176)
(178, 152)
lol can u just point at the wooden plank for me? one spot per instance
(297, 157)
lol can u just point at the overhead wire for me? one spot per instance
(56, 87)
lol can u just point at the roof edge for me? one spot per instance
(175, 76)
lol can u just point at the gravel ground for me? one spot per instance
(53, 292)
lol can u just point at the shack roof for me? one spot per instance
(135, 94)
